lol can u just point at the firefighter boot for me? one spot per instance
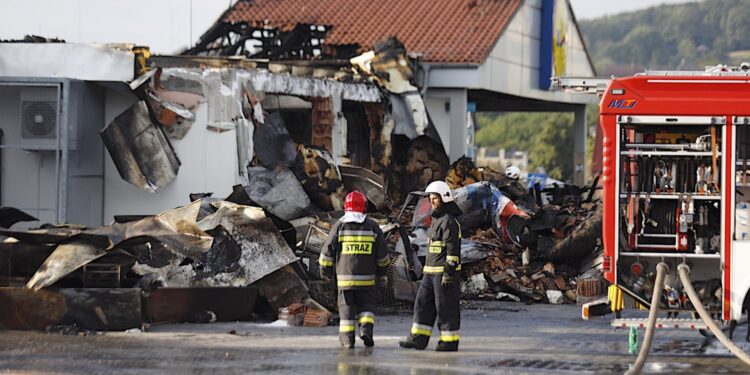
(347, 340)
(444, 346)
(418, 342)
(366, 327)
(365, 333)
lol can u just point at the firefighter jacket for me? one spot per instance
(358, 251)
(444, 248)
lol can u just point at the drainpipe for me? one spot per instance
(425, 82)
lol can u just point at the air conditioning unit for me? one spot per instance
(39, 117)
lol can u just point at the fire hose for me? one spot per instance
(684, 271)
(661, 270)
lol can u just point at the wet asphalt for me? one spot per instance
(496, 337)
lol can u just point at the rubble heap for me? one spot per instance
(532, 248)
(255, 251)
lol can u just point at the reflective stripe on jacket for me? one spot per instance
(444, 249)
(358, 252)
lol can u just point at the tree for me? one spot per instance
(548, 137)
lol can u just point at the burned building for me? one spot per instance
(473, 56)
(180, 125)
(255, 135)
(115, 133)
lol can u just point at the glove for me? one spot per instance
(326, 273)
(382, 280)
(447, 280)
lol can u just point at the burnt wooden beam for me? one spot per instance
(200, 305)
(100, 309)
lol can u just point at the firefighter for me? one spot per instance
(513, 187)
(440, 290)
(357, 249)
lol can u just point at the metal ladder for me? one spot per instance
(584, 85)
(674, 323)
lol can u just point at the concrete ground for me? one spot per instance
(496, 337)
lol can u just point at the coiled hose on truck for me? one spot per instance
(661, 271)
(684, 271)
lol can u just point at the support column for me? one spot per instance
(338, 142)
(458, 133)
(579, 146)
(447, 109)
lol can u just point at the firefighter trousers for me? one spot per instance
(356, 306)
(436, 301)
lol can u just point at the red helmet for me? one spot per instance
(356, 202)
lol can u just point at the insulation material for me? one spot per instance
(279, 192)
(265, 81)
(273, 145)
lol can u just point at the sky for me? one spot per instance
(588, 9)
(169, 26)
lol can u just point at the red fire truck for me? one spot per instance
(676, 184)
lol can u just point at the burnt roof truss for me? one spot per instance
(303, 42)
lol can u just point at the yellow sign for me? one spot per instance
(355, 248)
(560, 39)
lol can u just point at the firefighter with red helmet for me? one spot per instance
(439, 293)
(357, 249)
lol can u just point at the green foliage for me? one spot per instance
(682, 36)
(548, 137)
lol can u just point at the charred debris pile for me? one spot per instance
(253, 254)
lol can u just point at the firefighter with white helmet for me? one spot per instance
(440, 290)
(357, 249)
(513, 172)
(512, 187)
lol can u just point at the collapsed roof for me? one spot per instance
(445, 31)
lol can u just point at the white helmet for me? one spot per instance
(513, 172)
(440, 188)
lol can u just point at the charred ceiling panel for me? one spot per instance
(175, 230)
(232, 247)
(262, 249)
(65, 259)
(264, 81)
(140, 149)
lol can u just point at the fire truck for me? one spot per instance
(676, 187)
